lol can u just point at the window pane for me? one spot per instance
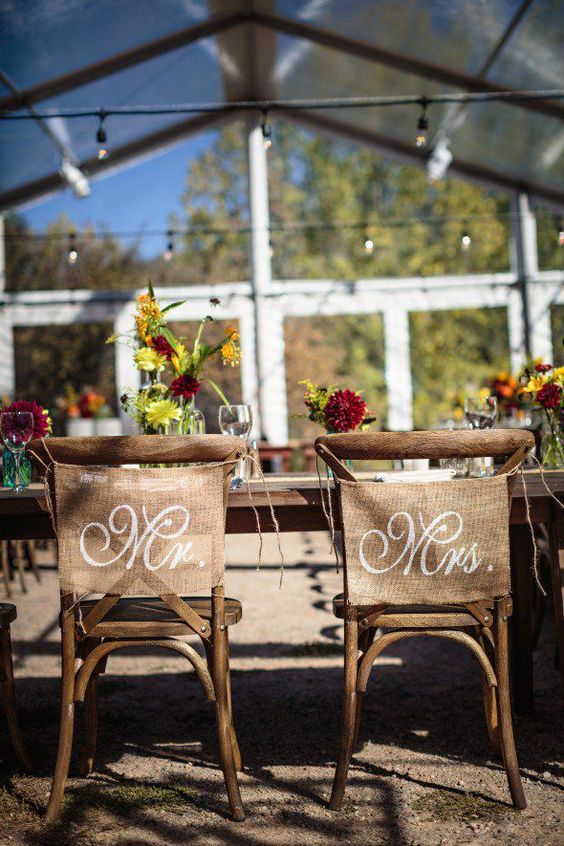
(452, 355)
(347, 351)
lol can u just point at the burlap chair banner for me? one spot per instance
(142, 531)
(434, 542)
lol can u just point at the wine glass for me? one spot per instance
(481, 413)
(17, 431)
(237, 420)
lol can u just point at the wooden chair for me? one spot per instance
(480, 626)
(92, 629)
(8, 614)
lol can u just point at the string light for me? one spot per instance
(561, 232)
(422, 125)
(368, 246)
(169, 252)
(266, 131)
(101, 139)
(73, 252)
(465, 241)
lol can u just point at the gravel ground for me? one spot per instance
(424, 774)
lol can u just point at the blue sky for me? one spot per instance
(138, 197)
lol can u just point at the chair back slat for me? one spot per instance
(442, 443)
(112, 451)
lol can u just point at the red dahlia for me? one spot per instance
(543, 368)
(185, 386)
(344, 411)
(40, 416)
(162, 346)
(550, 396)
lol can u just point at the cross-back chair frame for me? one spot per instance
(88, 639)
(482, 627)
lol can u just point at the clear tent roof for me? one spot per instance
(76, 53)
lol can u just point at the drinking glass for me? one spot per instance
(237, 420)
(17, 430)
(481, 413)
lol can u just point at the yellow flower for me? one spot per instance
(231, 353)
(534, 384)
(149, 359)
(232, 333)
(484, 393)
(176, 359)
(558, 375)
(148, 317)
(161, 413)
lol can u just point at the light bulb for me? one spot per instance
(465, 241)
(72, 255)
(266, 132)
(368, 246)
(167, 255)
(101, 139)
(422, 127)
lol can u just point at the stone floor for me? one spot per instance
(424, 774)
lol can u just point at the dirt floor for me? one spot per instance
(424, 774)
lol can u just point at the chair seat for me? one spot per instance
(151, 617)
(8, 613)
(411, 616)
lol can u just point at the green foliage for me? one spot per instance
(454, 352)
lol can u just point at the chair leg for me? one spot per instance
(30, 546)
(66, 721)
(489, 696)
(9, 695)
(504, 699)
(91, 715)
(365, 642)
(225, 725)
(233, 733)
(20, 564)
(349, 711)
(6, 568)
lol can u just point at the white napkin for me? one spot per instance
(417, 476)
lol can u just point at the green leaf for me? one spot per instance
(150, 289)
(173, 305)
(170, 338)
(218, 391)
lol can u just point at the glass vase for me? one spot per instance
(552, 446)
(192, 421)
(9, 470)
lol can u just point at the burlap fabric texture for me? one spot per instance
(139, 531)
(432, 543)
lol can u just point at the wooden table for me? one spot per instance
(297, 503)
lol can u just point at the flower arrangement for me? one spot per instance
(335, 409)
(42, 426)
(544, 386)
(158, 352)
(42, 423)
(86, 404)
(506, 389)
